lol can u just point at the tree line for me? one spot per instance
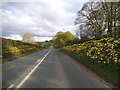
(63, 39)
(98, 20)
(95, 20)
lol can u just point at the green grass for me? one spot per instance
(108, 71)
(45, 43)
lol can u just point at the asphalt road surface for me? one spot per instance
(49, 68)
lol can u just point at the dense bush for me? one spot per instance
(105, 50)
(13, 48)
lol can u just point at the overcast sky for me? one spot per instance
(43, 18)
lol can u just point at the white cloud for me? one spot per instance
(45, 17)
(42, 38)
(14, 37)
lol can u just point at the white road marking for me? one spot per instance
(12, 85)
(23, 81)
(38, 60)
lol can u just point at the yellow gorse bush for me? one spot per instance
(15, 50)
(105, 50)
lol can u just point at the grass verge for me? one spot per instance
(107, 73)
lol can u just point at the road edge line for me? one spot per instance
(12, 85)
(29, 74)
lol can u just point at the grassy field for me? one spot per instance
(102, 56)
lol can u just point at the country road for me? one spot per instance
(49, 68)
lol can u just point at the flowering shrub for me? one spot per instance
(13, 48)
(105, 50)
(16, 50)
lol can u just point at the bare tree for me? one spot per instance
(97, 17)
